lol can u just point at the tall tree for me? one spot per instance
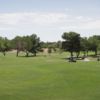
(71, 43)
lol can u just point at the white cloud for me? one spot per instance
(93, 24)
(44, 23)
(32, 18)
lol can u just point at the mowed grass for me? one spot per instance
(48, 78)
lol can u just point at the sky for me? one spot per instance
(49, 19)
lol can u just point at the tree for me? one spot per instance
(98, 49)
(34, 44)
(94, 42)
(17, 43)
(85, 46)
(71, 43)
(4, 45)
(28, 44)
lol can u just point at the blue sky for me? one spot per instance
(49, 18)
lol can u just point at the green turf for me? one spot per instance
(48, 78)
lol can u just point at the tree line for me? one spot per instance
(25, 43)
(72, 42)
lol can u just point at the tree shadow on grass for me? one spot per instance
(24, 56)
(93, 56)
